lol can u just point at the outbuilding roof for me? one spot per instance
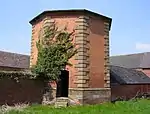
(128, 76)
(139, 60)
(14, 60)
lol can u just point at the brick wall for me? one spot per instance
(128, 91)
(61, 22)
(97, 53)
(22, 92)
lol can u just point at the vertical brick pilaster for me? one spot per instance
(32, 45)
(82, 57)
(106, 58)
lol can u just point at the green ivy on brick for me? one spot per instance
(55, 48)
(16, 75)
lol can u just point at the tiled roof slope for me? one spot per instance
(128, 76)
(139, 60)
(8, 59)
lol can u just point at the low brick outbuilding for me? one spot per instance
(127, 83)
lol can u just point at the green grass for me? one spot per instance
(125, 107)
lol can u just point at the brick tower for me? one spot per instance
(89, 78)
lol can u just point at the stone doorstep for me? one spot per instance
(61, 102)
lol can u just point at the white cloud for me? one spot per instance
(142, 46)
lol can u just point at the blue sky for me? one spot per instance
(130, 31)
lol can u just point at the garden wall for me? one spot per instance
(19, 88)
(128, 91)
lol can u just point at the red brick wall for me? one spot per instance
(61, 22)
(23, 92)
(96, 53)
(128, 91)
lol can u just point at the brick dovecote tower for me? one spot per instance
(89, 77)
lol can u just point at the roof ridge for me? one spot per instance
(129, 54)
(142, 59)
(13, 53)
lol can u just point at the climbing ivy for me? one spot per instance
(55, 48)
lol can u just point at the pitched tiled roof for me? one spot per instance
(140, 60)
(14, 60)
(128, 76)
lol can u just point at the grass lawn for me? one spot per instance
(125, 107)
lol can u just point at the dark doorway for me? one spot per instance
(63, 84)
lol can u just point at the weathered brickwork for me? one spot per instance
(90, 95)
(106, 58)
(82, 57)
